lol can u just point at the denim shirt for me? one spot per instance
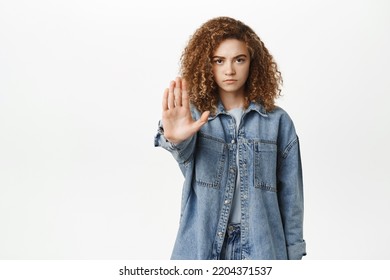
(271, 188)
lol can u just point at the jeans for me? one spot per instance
(231, 248)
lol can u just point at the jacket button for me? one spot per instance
(220, 234)
(233, 141)
(227, 201)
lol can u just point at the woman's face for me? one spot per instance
(231, 63)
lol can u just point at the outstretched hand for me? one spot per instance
(176, 115)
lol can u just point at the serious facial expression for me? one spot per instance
(231, 63)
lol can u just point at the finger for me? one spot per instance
(177, 92)
(184, 95)
(171, 97)
(165, 100)
(202, 121)
(204, 117)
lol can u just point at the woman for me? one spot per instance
(239, 153)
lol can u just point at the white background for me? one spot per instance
(81, 83)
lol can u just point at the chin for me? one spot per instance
(231, 89)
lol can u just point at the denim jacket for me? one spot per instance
(271, 188)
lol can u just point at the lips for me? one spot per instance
(230, 81)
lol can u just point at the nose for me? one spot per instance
(229, 71)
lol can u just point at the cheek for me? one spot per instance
(216, 75)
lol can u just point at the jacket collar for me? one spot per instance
(257, 107)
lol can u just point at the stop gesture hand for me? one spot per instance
(176, 116)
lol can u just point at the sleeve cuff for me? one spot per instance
(296, 251)
(181, 151)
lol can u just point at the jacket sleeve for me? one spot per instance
(290, 196)
(182, 152)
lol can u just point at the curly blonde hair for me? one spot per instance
(264, 80)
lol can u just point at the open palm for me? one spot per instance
(176, 116)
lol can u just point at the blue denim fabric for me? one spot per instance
(271, 188)
(231, 248)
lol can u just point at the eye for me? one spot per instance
(240, 60)
(218, 61)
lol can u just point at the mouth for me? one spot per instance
(229, 81)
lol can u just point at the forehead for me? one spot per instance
(231, 47)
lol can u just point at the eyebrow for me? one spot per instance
(237, 56)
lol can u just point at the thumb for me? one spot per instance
(203, 120)
(204, 117)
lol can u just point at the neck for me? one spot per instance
(232, 100)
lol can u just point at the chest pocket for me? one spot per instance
(265, 160)
(210, 157)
